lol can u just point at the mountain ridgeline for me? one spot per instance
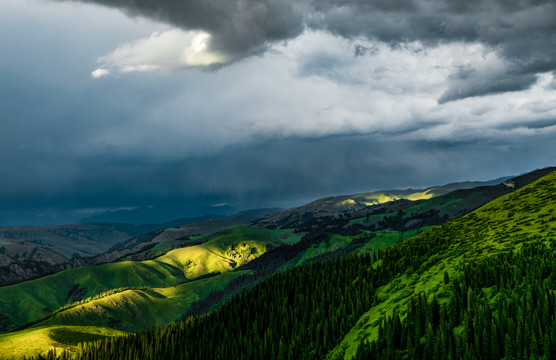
(478, 287)
(29, 252)
(405, 274)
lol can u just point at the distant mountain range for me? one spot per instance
(33, 251)
(58, 243)
(338, 205)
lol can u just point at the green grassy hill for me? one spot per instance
(139, 309)
(31, 342)
(115, 313)
(112, 314)
(444, 206)
(479, 287)
(172, 236)
(220, 252)
(503, 225)
(31, 252)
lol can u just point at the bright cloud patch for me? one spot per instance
(366, 87)
(98, 73)
(102, 210)
(166, 51)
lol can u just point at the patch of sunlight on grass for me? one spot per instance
(34, 341)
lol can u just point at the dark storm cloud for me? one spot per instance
(524, 32)
(239, 28)
(532, 124)
(360, 50)
(552, 84)
(274, 174)
(467, 82)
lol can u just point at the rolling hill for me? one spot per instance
(170, 237)
(27, 252)
(33, 251)
(481, 286)
(219, 252)
(363, 202)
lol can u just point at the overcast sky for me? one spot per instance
(188, 107)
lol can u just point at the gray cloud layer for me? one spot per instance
(524, 32)
(317, 116)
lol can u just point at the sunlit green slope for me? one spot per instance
(125, 309)
(30, 342)
(448, 206)
(221, 252)
(140, 309)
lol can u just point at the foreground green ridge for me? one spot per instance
(504, 225)
(456, 292)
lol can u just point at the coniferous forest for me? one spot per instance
(519, 323)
